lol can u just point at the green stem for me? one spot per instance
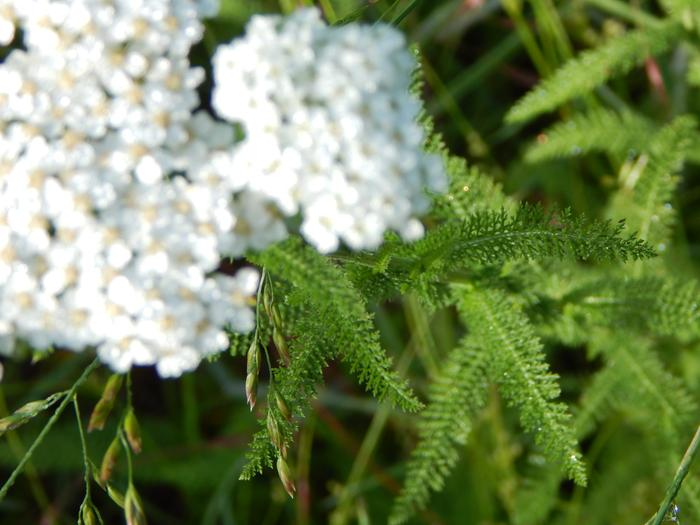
(127, 451)
(190, 410)
(405, 12)
(129, 398)
(17, 448)
(303, 467)
(44, 432)
(349, 491)
(514, 10)
(264, 277)
(425, 345)
(476, 75)
(328, 11)
(393, 6)
(259, 300)
(675, 486)
(83, 444)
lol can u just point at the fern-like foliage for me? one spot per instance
(296, 382)
(654, 305)
(329, 321)
(682, 10)
(537, 495)
(532, 233)
(456, 395)
(470, 191)
(645, 198)
(594, 67)
(601, 130)
(261, 454)
(346, 327)
(518, 366)
(636, 382)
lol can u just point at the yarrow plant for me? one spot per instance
(178, 181)
(110, 225)
(330, 128)
(119, 199)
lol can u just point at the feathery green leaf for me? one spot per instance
(348, 330)
(593, 68)
(518, 366)
(599, 130)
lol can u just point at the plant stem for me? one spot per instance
(17, 448)
(514, 10)
(83, 444)
(424, 343)
(52, 421)
(675, 486)
(406, 11)
(129, 398)
(363, 456)
(328, 11)
(190, 410)
(127, 451)
(393, 6)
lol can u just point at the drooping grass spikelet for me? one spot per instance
(348, 329)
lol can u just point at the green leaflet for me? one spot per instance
(595, 67)
(490, 237)
(517, 365)
(647, 189)
(599, 130)
(636, 381)
(347, 330)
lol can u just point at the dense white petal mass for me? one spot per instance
(330, 127)
(119, 197)
(114, 210)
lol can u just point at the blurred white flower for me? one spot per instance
(119, 198)
(7, 22)
(330, 127)
(112, 216)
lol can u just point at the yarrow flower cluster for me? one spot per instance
(119, 197)
(330, 127)
(111, 222)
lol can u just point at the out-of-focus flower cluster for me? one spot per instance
(119, 198)
(112, 220)
(330, 126)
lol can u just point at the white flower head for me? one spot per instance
(113, 213)
(331, 128)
